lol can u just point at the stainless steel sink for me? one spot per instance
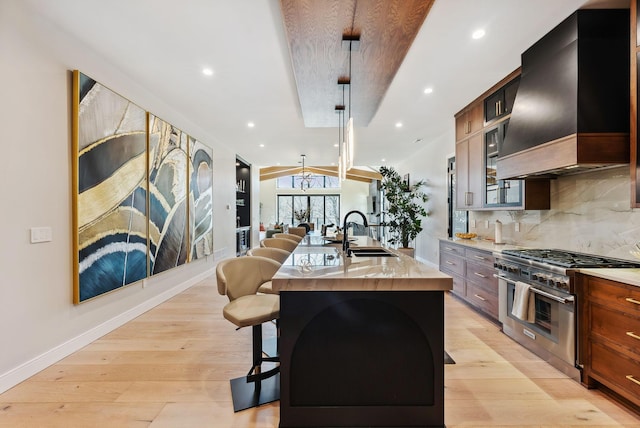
(371, 252)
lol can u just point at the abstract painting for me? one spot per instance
(168, 169)
(200, 200)
(110, 198)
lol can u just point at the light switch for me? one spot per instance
(486, 224)
(517, 226)
(472, 223)
(41, 234)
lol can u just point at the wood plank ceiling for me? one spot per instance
(315, 30)
(271, 172)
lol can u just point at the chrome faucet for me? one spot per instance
(345, 237)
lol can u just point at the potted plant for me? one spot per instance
(301, 215)
(405, 208)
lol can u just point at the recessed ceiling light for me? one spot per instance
(399, 125)
(428, 90)
(335, 144)
(251, 124)
(478, 34)
(207, 71)
(383, 160)
(261, 145)
(333, 164)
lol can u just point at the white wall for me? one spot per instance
(430, 164)
(39, 322)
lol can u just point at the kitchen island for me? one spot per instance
(361, 340)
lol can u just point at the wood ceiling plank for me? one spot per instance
(272, 172)
(314, 31)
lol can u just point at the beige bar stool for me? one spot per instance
(300, 231)
(239, 279)
(282, 243)
(271, 253)
(291, 236)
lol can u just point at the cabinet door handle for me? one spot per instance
(479, 257)
(480, 297)
(468, 200)
(468, 127)
(480, 275)
(632, 379)
(450, 263)
(632, 334)
(499, 107)
(634, 301)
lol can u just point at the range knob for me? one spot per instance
(542, 277)
(561, 283)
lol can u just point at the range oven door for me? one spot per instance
(553, 329)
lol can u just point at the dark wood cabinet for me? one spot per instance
(635, 116)
(472, 272)
(469, 166)
(530, 194)
(361, 358)
(469, 121)
(477, 186)
(609, 336)
(500, 102)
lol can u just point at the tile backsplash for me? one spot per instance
(590, 213)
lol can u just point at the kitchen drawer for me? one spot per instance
(617, 327)
(618, 372)
(482, 299)
(480, 257)
(625, 297)
(458, 285)
(482, 276)
(447, 248)
(451, 264)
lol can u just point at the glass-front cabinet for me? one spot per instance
(477, 152)
(498, 193)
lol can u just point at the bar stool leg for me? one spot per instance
(257, 387)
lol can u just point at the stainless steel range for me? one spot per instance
(549, 327)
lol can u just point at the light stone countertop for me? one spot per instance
(626, 276)
(323, 268)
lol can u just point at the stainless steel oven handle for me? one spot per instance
(563, 300)
(552, 296)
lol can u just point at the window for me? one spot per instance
(316, 182)
(322, 209)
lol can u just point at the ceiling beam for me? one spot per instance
(319, 57)
(273, 172)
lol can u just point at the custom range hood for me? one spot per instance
(571, 112)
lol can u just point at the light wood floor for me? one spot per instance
(171, 367)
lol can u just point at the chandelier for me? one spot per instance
(305, 178)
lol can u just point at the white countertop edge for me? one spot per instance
(626, 276)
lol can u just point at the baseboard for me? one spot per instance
(26, 370)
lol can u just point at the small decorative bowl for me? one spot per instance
(466, 235)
